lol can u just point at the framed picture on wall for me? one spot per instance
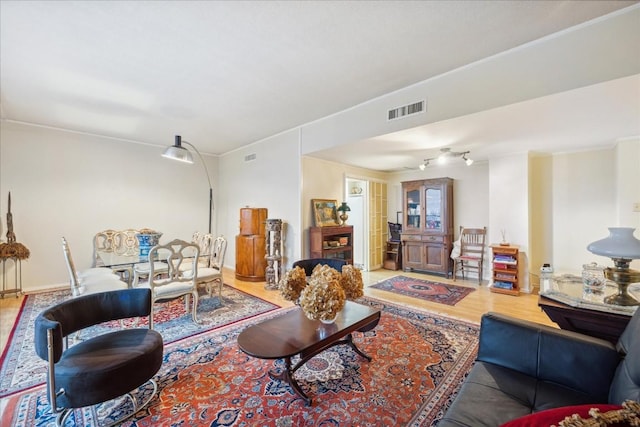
(324, 212)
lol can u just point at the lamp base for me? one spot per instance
(623, 276)
(621, 299)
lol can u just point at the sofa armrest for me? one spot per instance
(574, 360)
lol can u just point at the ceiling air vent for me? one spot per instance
(407, 110)
(250, 157)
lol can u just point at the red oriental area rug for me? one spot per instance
(425, 289)
(21, 368)
(419, 362)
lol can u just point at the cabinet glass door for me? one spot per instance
(413, 209)
(433, 209)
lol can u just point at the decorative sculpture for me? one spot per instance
(15, 251)
(273, 255)
(12, 249)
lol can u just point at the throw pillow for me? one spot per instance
(553, 417)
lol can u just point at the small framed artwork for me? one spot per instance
(324, 212)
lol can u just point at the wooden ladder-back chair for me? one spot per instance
(472, 243)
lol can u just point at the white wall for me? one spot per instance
(584, 205)
(74, 185)
(270, 181)
(593, 190)
(628, 184)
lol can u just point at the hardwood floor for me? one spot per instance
(524, 306)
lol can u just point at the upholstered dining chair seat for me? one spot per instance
(97, 279)
(208, 275)
(167, 289)
(142, 270)
(213, 273)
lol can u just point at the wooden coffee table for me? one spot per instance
(293, 334)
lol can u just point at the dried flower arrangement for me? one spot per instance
(293, 282)
(322, 299)
(351, 282)
(327, 291)
(326, 272)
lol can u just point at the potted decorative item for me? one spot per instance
(147, 239)
(322, 299)
(351, 282)
(343, 209)
(293, 282)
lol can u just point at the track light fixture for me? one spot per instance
(444, 156)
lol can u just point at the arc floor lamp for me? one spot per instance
(181, 154)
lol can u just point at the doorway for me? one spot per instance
(356, 196)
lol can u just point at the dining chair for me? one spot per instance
(116, 242)
(174, 283)
(204, 242)
(102, 242)
(100, 368)
(213, 273)
(96, 279)
(471, 257)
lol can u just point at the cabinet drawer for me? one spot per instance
(411, 237)
(438, 239)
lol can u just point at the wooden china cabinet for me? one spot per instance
(427, 234)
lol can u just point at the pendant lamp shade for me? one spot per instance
(178, 152)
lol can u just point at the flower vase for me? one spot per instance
(329, 321)
(146, 241)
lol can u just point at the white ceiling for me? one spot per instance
(224, 74)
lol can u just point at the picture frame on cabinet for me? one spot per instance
(325, 212)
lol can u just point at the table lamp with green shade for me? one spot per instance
(622, 247)
(343, 209)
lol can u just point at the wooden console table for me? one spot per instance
(599, 324)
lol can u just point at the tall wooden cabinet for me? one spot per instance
(251, 264)
(427, 234)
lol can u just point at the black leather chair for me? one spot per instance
(524, 367)
(104, 367)
(310, 264)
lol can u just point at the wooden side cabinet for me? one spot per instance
(505, 275)
(332, 242)
(427, 235)
(251, 265)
